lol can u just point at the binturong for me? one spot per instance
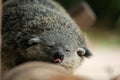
(40, 30)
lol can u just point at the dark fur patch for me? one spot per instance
(87, 53)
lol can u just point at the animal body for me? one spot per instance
(40, 30)
(40, 71)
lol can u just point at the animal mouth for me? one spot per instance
(57, 60)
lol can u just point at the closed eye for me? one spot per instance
(67, 50)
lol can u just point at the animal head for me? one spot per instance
(62, 51)
(37, 32)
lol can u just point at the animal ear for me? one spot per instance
(87, 53)
(84, 52)
(34, 40)
(29, 41)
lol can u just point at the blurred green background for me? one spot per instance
(106, 29)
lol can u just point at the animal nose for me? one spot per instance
(58, 57)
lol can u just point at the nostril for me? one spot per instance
(58, 55)
(62, 56)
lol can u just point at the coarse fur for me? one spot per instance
(33, 29)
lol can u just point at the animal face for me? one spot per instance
(43, 48)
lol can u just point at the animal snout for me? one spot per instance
(58, 57)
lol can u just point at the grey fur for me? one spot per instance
(34, 20)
